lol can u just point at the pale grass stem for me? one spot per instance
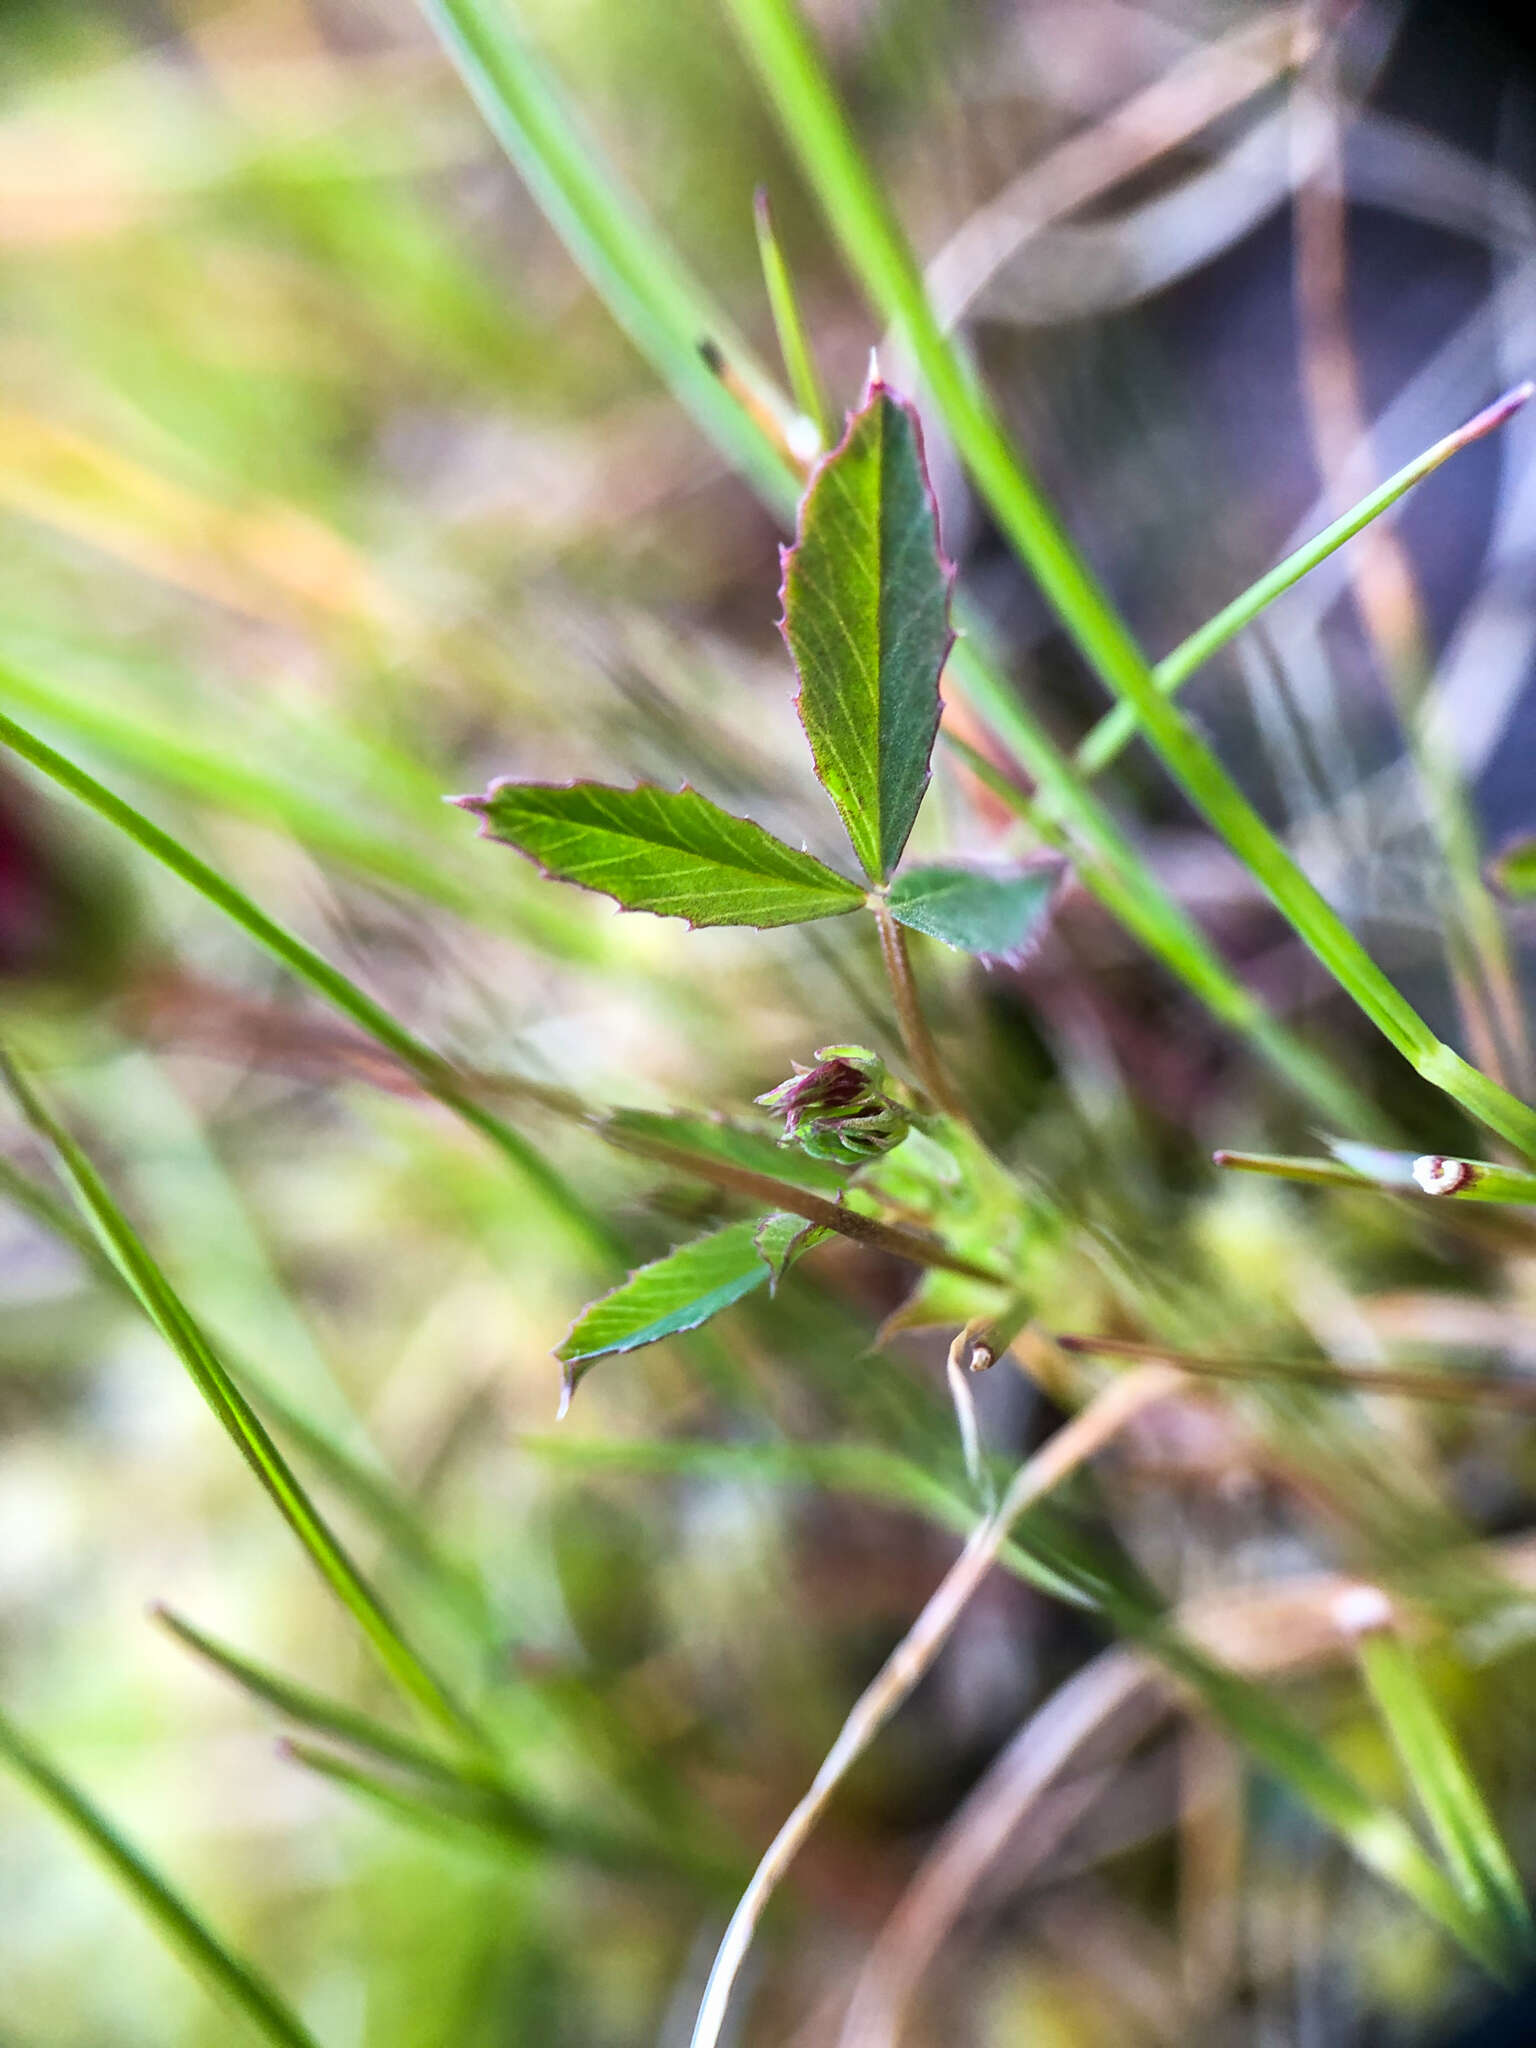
(1074, 1443)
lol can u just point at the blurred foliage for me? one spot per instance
(327, 488)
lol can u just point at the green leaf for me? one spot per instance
(781, 1238)
(995, 916)
(669, 851)
(703, 1144)
(670, 1295)
(311, 967)
(866, 616)
(1438, 1770)
(1512, 870)
(212, 1379)
(323, 1716)
(165, 1909)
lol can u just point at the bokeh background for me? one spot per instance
(328, 487)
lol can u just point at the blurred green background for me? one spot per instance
(328, 488)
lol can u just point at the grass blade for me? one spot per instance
(1381, 1839)
(1118, 725)
(876, 250)
(1442, 1780)
(1460, 1387)
(323, 1716)
(434, 1073)
(1106, 863)
(162, 1907)
(443, 1807)
(157, 747)
(794, 347)
(490, 1813)
(1326, 1173)
(369, 1489)
(669, 319)
(239, 1420)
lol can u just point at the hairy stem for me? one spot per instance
(915, 1035)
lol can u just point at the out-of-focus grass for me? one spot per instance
(327, 488)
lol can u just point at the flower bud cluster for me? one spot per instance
(838, 1110)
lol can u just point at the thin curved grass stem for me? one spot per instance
(1075, 1442)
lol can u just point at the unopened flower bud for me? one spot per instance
(838, 1110)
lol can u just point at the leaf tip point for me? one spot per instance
(1495, 415)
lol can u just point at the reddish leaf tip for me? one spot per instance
(1495, 415)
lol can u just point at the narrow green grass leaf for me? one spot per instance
(216, 775)
(495, 1816)
(664, 850)
(369, 1490)
(165, 1909)
(1106, 863)
(866, 617)
(1381, 1838)
(1472, 1180)
(434, 1073)
(1435, 1766)
(976, 910)
(864, 1471)
(794, 346)
(1370, 1166)
(711, 1141)
(322, 1716)
(657, 302)
(239, 1420)
(508, 1821)
(1107, 739)
(436, 1807)
(1342, 1172)
(674, 1293)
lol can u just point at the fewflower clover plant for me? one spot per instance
(866, 617)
